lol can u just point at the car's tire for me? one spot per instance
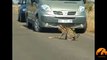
(81, 30)
(19, 18)
(36, 26)
(27, 23)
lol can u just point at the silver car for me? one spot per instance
(50, 13)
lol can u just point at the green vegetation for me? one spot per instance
(90, 17)
(89, 7)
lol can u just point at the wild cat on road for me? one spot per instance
(67, 33)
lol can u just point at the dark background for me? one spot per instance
(6, 27)
(100, 26)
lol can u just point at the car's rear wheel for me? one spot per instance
(36, 26)
(19, 18)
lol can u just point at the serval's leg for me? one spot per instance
(61, 35)
(74, 35)
(66, 37)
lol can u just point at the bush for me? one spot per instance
(90, 17)
(89, 7)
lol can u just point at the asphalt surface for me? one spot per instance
(30, 45)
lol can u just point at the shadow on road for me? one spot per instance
(51, 30)
(21, 21)
(46, 30)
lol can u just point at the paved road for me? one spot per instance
(30, 45)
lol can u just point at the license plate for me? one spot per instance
(65, 21)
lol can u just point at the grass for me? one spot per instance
(90, 17)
